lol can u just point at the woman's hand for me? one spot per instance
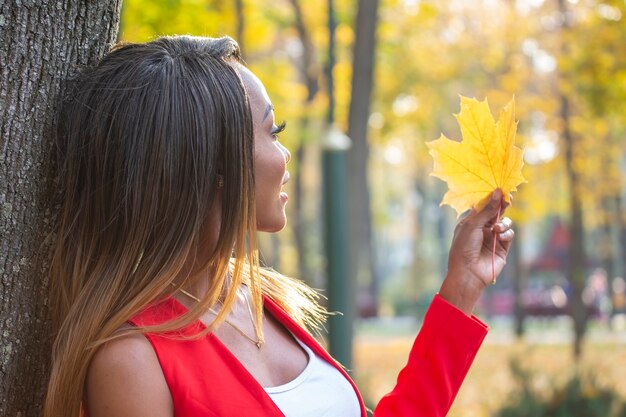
(470, 258)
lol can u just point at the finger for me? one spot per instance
(502, 249)
(505, 239)
(490, 211)
(506, 236)
(503, 225)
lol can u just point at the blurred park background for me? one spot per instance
(388, 74)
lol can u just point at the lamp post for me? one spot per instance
(334, 145)
(336, 245)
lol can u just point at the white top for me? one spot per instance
(319, 391)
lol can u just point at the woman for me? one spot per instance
(170, 163)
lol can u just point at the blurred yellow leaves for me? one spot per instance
(427, 53)
(486, 159)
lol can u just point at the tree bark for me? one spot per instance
(362, 265)
(42, 44)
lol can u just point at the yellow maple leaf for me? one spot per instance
(484, 160)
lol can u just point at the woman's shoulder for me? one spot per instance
(124, 378)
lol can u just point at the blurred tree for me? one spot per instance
(309, 72)
(144, 20)
(362, 263)
(592, 72)
(599, 63)
(41, 47)
(577, 256)
(241, 26)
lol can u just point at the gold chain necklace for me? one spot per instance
(258, 342)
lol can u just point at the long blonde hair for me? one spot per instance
(142, 139)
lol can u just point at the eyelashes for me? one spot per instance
(278, 129)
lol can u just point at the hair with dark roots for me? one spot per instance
(141, 141)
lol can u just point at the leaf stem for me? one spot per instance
(493, 250)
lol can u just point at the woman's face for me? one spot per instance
(270, 158)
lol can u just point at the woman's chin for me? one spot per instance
(274, 226)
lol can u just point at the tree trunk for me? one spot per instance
(241, 27)
(362, 265)
(309, 74)
(621, 237)
(519, 284)
(42, 43)
(608, 252)
(577, 256)
(620, 208)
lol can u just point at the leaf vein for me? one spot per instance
(467, 168)
(485, 148)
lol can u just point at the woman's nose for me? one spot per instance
(286, 152)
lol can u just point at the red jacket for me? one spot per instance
(206, 379)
